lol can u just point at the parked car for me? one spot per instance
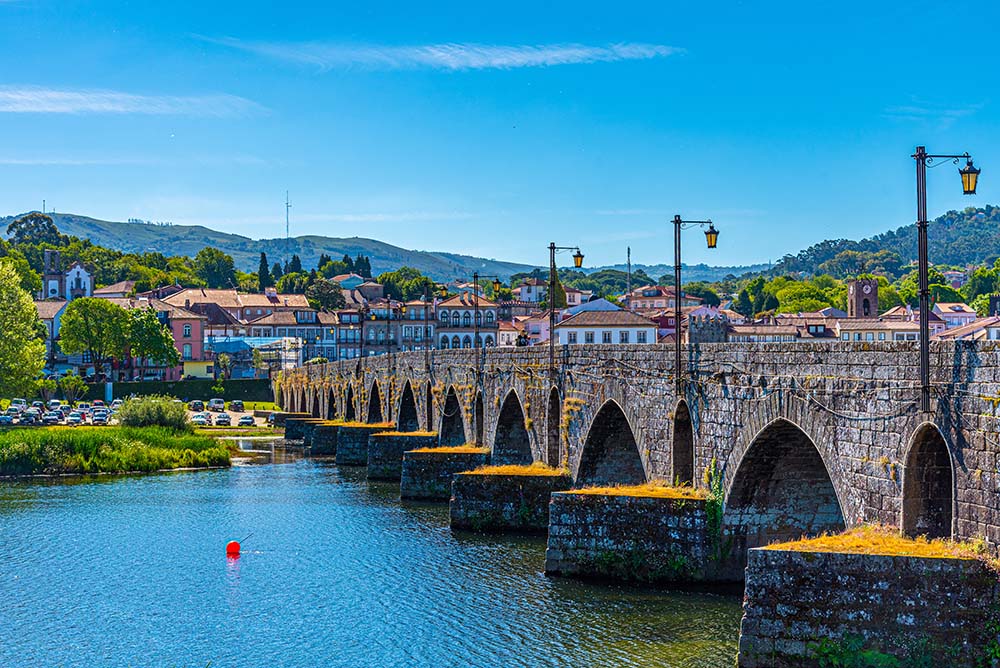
(270, 419)
(223, 420)
(246, 421)
(75, 419)
(38, 404)
(13, 412)
(26, 419)
(54, 404)
(65, 409)
(116, 404)
(199, 420)
(19, 404)
(236, 405)
(98, 404)
(54, 418)
(6, 420)
(83, 408)
(99, 419)
(217, 405)
(197, 405)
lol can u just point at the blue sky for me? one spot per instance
(494, 130)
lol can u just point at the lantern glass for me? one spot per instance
(970, 178)
(496, 286)
(577, 259)
(711, 235)
(402, 309)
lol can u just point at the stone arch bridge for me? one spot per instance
(806, 437)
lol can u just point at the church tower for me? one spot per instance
(862, 298)
(53, 279)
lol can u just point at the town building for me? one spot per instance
(418, 325)
(50, 312)
(984, 329)
(657, 296)
(955, 314)
(862, 298)
(532, 290)
(119, 290)
(75, 281)
(878, 329)
(458, 318)
(606, 327)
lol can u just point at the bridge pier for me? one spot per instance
(385, 451)
(427, 473)
(493, 499)
(352, 442)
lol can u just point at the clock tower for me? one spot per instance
(862, 298)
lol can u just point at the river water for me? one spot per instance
(131, 571)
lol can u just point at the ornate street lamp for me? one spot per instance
(711, 238)
(577, 262)
(970, 179)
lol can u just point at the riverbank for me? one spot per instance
(89, 450)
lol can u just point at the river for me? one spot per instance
(131, 571)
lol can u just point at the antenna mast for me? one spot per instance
(288, 206)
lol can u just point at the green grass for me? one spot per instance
(250, 406)
(58, 450)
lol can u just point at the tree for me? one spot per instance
(34, 228)
(46, 389)
(362, 266)
(72, 386)
(215, 268)
(982, 282)
(293, 283)
(264, 279)
(276, 272)
(22, 353)
(323, 259)
(701, 289)
(225, 363)
(95, 326)
(406, 283)
(294, 266)
(150, 338)
(743, 304)
(325, 295)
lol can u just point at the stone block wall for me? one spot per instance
(279, 417)
(295, 427)
(921, 611)
(385, 452)
(324, 439)
(644, 538)
(497, 502)
(352, 443)
(427, 474)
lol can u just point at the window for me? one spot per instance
(187, 331)
(209, 370)
(605, 337)
(571, 337)
(455, 342)
(846, 336)
(445, 318)
(857, 336)
(466, 319)
(869, 336)
(640, 337)
(588, 337)
(444, 343)
(187, 351)
(881, 336)
(489, 317)
(467, 341)
(622, 337)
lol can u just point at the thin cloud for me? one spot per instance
(69, 161)
(944, 117)
(39, 100)
(449, 56)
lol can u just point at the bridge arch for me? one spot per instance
(479, 417)
(511, 442)
(552, 457)
(407, 411)
(331, 404)
(782, 490)
(682, 447)
(452, 422)
(429, 407)
(374, 403)
(928, 485)
(316, 408)
(350, 413)
(610, 453)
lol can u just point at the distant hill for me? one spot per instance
(690, 273)
(441, 266)
(960, 238)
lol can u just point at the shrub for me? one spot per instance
(153, 411)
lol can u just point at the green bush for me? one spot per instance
(154, 411)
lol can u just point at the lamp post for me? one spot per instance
(496, 288)
(711, 238)
(577, 262)
(970, 178)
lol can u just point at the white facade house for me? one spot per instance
(531, 290)
(955, 314)
(606, 327)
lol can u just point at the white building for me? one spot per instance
(531, 290)
(606, 327)
(955, 314)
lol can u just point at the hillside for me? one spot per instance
(441, 266)
(959, 238)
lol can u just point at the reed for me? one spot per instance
(60, 450)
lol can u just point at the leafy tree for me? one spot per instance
(982, 282)
(294, 284)
(406, 283)
(982, 305)
(46, 389)
(72, 387)
(94, 326)
(151, 339)
(22, 353)
(225, 363)
(323, 259)
(909, 286)
(334, 268)
(325, 295)
(559, 301)
(30, 279)
(944, 293)
(702, 289)
(215, 268)
(264, 279)
(34, 228)
(743, 304)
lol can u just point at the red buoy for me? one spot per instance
(233, 548)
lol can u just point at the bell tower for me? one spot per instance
(53, 280)
(862, 298)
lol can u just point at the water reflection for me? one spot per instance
(337, 573)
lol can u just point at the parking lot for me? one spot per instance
(20, 412)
